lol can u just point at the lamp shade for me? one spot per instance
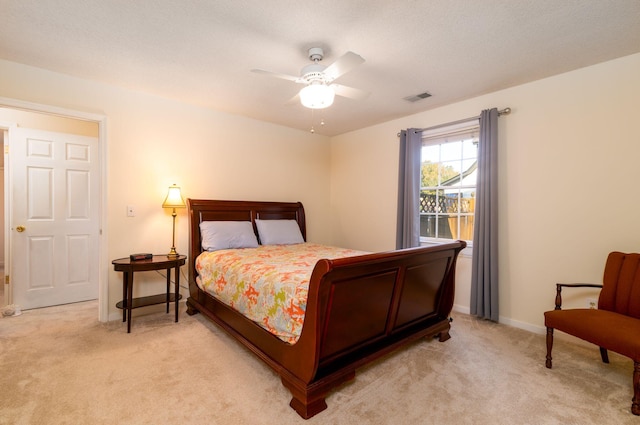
(174, 198)
(317, 96)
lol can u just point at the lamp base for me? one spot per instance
(173, 253)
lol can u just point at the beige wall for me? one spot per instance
(153, 143)
(569, 173)
(48, 122)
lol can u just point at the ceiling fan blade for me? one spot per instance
(278, 75)
(344, 64)
(349, 92)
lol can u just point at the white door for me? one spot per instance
(54, 237)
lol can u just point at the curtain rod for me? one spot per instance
(505, 111)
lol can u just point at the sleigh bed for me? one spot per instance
(358, 308)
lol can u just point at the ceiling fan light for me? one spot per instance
(317, 96)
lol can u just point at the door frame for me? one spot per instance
(5, 127)
(103, 270)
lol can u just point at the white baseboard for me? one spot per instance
(522, 325)
(461, 309)
(507, 321)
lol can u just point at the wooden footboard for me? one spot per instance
(358, 309)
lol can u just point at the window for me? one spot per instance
(448, 183)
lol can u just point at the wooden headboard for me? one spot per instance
(211, 210)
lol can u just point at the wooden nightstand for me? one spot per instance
(157, 262)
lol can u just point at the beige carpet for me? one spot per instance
(61, 366)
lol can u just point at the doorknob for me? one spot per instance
(20, 229)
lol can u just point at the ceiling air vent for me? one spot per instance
(417, 97)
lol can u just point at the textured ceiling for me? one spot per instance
(201, 52)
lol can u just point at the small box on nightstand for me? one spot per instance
(138, 257)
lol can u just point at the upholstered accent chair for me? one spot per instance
(615, 324)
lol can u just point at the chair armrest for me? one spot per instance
(559, 287)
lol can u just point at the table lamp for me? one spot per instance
(173, 200)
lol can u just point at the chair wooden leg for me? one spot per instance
(549, 346)
(604, 354)
(635, 404)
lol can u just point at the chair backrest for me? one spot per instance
(621, 284)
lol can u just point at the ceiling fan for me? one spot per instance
(320, 89)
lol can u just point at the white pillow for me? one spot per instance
(279, 232)
(227, 234)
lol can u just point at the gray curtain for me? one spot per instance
(408, 230)
(484, 271)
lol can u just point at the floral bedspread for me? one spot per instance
(267, 284)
